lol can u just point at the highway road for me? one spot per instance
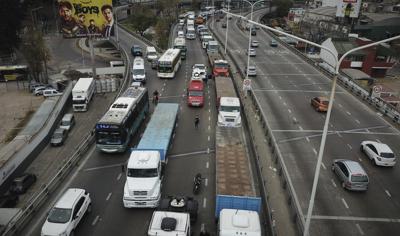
(191, 152)
(284, 85)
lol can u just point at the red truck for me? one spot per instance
(195, 93)
(219, 66)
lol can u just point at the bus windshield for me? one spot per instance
(164, 69)
(109, 137)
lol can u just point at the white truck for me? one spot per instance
(82, 93)
(239, 222)
(227, 102)
(165, 223)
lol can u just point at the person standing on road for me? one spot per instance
(196, 121)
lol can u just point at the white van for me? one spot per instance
(138, 71)
(51, 93)
(151, 53)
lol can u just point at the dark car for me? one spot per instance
(224, 24)
(21, 184)
(253, 31)
(59, 137)
(136, 51)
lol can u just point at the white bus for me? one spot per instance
(169, 63)
(180, 43)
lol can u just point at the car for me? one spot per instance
(254, 43)
(68, 211)
(51, 93)
(251, 52)
(68, 121)
(39, 90)
(181, 22)
(253, 31)
(154, 64)
(379, 153)
(22, 183)
(181, 34)
(59, 137)
(351, 174)
(136, 51)
(200, 27)
(32, 86)
(273, 43)
(199, 70)
(251, 71)
(223, 24)
(320, 103)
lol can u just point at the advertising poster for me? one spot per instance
(83, 18)
(348, 8)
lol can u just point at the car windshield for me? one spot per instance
(200, 67)
(195, 93)
(359, 178)
(138, 71)
(65, 123)
(59, 215)
(387, 155)
(142, 173)
(57, 135)
(230, 108)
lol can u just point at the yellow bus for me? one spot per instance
(13, 72)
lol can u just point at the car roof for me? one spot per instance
(353, 166)
(59, 130)
(381, 147)
(69, 198)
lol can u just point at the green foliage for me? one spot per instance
(12, 13)
(283, 7)
(35, 51)
(142, 19)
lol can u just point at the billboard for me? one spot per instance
(348, 8)
(83, 18)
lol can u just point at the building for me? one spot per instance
(374, 61)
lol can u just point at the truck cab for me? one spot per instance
(143, 179)
(229, 112)
(195, 93)
(212, 47)
(165, 223)
(239, 222)
(221, 68)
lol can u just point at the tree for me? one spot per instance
(12, 13)
(142, 19)
(162, 29)
(36, 53)
(282, 7)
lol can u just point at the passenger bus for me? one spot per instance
(169, 63)
(117, 126)
(13, 72)
(180, 43)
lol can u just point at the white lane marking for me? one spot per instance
(353, 218)
(315, 151)
(358, 121)
(388, 193)
(289, 111)
(308, 140)
(345, 203)
(207, 165)
(323, 165)
(350, 147)
(284, 103)
(348, 113)
(204, 202)
(209, 127)
(340, 105)
(173, 136)
(294, 120)
(119, 176)
(338, 134)
(208, 150)
(280, 97)
(333, 183)
(359, 229)
(206, 182)
(108, 196)
(301, 128)
(208, 138)
(359, 159)
(209, 110)
(331, 124)
(379, 141)
(209, 118)
(95, 220)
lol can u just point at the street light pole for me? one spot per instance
(251, 26)
(327, 119)
(227, 26)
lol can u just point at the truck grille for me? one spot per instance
(140, 193)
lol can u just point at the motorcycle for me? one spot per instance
(197, 183)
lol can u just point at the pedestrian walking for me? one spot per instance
(196, 121)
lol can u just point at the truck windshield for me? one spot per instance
(196, 93)
(221, 65)
(142, 173)
(79, 101)
(230, 109)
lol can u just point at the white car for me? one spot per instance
(379, 153)
(254, 43)
(67, 213)
(51, 93)
(252, 71)
(251, 52)
(199, 70)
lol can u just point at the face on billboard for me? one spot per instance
(83, 18)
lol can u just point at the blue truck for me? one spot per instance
(144, 170)
(235, 187)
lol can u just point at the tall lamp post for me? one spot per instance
(251, 26)
(328, 115)
(227, 25)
